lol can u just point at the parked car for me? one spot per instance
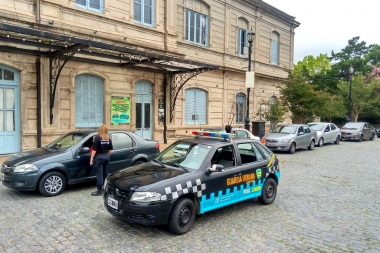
(358, 131)
(326, 132)
(239, 132)
(67, 161)
(378, 132)
(291, 137)
(214, 173)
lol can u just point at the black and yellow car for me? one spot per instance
(211, 174)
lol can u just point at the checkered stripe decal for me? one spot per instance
(174, 192)
(273, 169)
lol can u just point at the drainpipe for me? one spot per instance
(165, 111)
(38, 70)
(38, 11)
(166, 26)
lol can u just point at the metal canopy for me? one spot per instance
(62, 48)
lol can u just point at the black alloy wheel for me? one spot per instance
(269, 192)
(182, 216)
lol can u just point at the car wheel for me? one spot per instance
(182, 216)
(311, 146)
(320, 142)
(52, 184)
(337, 140)
(138, 162)
(361, 138)
(292, 148)
(372, 137)
(269, 192)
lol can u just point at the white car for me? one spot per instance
(327, 132)
(240, 132)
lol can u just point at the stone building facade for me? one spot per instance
(175, 65)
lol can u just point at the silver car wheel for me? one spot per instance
(53, 184)
(320, 142)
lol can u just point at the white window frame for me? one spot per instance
(187, 25)
(87, 6)
(241, 51)
(142, 13)
(277, 58)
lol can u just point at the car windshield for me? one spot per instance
(317, 127)
(66, 141)
(184, 155)
(353, 126)
(285, 129)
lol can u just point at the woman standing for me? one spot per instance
(100, 157)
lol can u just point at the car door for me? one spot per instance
(253, 162)
(335, 132)
(221, 187)
(300, 138)
(366, 131)
(124, 150)
(79, 167)
(327, 133)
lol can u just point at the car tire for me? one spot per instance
(138, 162)
(361, 138)
(320, 142)
(292, 148)
(372, 137)
(337, 140)
(182, 216)
(52, 184)
(269, 192)
(311, 146)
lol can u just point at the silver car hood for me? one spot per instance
(277, 136)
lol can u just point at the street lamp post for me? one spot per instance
(251, 37)
(350, 94)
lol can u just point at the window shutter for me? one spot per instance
(195, 107)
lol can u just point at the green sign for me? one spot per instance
(120, 110)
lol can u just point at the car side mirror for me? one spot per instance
(84, 150)
(301, 133)
(216, 168)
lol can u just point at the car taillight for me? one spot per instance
(157, 145)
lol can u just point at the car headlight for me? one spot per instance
(25, 168)
(146, 196)
(356, 132)
(283, 140)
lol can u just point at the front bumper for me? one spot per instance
(351, 136)
(21, 181)
(278, 146)
(156, 213)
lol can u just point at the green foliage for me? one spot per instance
(311, 66)
(275, 112)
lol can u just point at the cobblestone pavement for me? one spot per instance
(328, 201)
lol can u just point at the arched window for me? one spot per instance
(195, 106)
(242, 36)
(240, 107)
(89, 101)
(275, 48)
(196, 22)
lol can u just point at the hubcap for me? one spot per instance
(53, 184)
(269, 191)
(184, 216)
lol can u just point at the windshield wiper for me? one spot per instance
(160, 163)
(179, 166)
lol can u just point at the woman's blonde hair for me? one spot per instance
(103, 132)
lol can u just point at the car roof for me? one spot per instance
(95, 130)
(320, 123)
(215, 141)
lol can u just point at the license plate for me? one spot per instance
(2, 176)
(112, 203)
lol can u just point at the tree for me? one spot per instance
(334, 107)
(275, 113)
(364, 98)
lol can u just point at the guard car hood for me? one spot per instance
(145, 175)
(30, 156)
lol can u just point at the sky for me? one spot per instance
(327, 25)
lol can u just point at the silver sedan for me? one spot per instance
(326, 132)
